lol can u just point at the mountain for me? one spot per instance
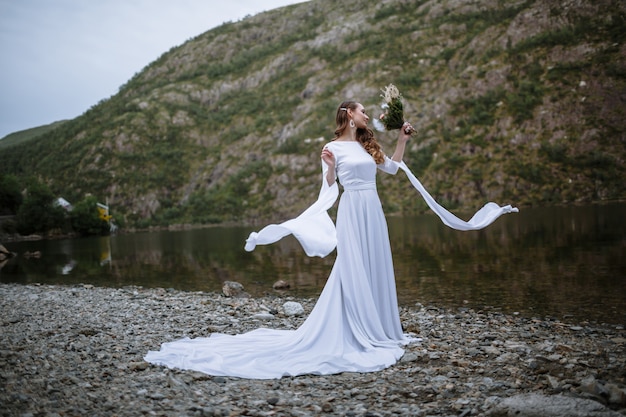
(519, 102)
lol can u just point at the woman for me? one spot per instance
(364, 263)
(355, 325)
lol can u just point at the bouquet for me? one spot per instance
(393, 117)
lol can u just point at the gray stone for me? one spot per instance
(263, 316)
(281, 285)
(617, 395)
(292, 308)
(410, 357)
(537, 405)
(234, 289)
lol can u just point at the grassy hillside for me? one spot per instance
(518, 102)
(23, 136)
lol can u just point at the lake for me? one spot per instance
(568, 262)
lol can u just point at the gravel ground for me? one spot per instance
(77, 351)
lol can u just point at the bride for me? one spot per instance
(355, 324)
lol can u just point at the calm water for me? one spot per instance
(562, 262)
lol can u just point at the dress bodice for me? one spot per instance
(355, 167)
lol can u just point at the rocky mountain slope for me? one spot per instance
(519, 102)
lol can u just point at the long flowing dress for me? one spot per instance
(355, 324)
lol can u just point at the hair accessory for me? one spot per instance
(343, 108)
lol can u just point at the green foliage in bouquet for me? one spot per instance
(393, 117)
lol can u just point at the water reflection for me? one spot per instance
(560, 261)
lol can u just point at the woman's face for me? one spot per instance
(360, 118)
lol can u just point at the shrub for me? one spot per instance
(85, 218)
(38, 213)
(9, 226)
(10, 195)
(522, 103)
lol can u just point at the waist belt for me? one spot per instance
(360, 186)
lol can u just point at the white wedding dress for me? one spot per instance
(355, 324)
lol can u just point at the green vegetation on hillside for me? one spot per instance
(24, 136)
(519, 103)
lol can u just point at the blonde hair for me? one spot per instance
(364, 136)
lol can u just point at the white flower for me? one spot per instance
(390, 92)
(378, 125)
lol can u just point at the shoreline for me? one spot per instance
(78, 350)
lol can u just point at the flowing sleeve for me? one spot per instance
(483, 217)
(313, 228)
(389, 166)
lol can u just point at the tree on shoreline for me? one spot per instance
(38, 213)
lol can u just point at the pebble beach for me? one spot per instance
(78, 351)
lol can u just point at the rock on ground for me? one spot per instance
(536, 405)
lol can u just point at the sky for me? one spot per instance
(60, 57)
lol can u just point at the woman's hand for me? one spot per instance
(405, 132)
(329, 159)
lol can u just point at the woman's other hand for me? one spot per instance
(329, 159)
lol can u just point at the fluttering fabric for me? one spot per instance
(315, 230)
(481, 219)
(355, 324)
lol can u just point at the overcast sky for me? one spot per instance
(60, 57)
